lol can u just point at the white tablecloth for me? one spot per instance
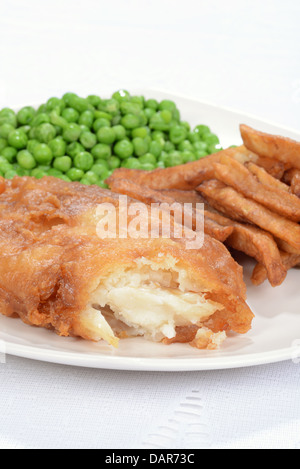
(244, 55)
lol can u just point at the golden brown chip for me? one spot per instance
(265, 178)
(238, 207)
(259, 274)
(236, 175)
(283, 149)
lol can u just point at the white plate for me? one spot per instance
(275, 335)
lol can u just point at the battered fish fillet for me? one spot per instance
(55, 272)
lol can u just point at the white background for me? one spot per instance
(240, 54)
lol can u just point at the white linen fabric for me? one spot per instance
(243, 55)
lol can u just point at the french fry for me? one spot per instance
(236, 206)
(236, 175)
(292, 177)
(151, 196)
(265, 178)
(283, 149)
(259, 275)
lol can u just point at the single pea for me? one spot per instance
(45, 132)
(111, 106)
(10, 174)
(139, 100)
(85, 181)
(31, 134)
(42, 154)
(64, 177)
(5, 130)
(25, 128)
(141, 132)
(67, 97)
(86, 118)
(75, 174)
(127, 107)
(88, 139)
(94, 100)
(177, 134)
(58, 121)
(149, 113)
(193, 137)
(163, 156)
(8, 116)
(143, 119)
(114, 162)
(120, 131)
(200, 154)
(9, 153)
(92, 177)
(26, 159)
(167, 104)
(5, 166)
(84, 161)
(79, 104)
(121, 95)
(58, 147)
(54, 172)
(55, 103)
(132, 163)
(202, 130)
(62, 163)
(200, 146)
(174, 159)
(100, 168)
(123, 149)
(147, 167)
(155, 148)
(185, 145)
(166, 116)
(176, 116)
(106, 135)
(211, 139)
(38, 173)
(31, 144)
(101, 151)
(3, 143)
(71, 132)
(22, 172)
(74, 148)
(39, 119)
(41, 109)
(101, 122)
(130, 121)
(188, 156)
(102, 115)
(169, 146)
(70, 114)
(152, 104)
(25, 115)
(160, 164)
(158, 123)
(140, 146)
(102, 185)
(17, 139)
(148, 158)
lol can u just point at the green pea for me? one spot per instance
(62, 163)
(79, 104)
(101, 151)
(200, 146)
(174, 159)
(148, 158)
(85, 181)
(120, 132)
(31, 144)
(130, 121)
(152, 104)
(71, 132)
(65, 178)
(42, 154)
(141, 132)
(45, 132)
(139, 100)
(3, 143)
(102, 185)
(103, 115)
(86, 118)
(75, 174)
(132, 163)
(140, 146)
(106, 135)
(10, 174)
(9, 153)
(148, 167)
(26, 159)
(185, 145)
(188, 156)
(55, 103)
(193, 137)
(54, 172)
(8, 116)
(84, 161)
(101, 122)
(211, 139)
(5, 166)
(121, 95)
(201, 130)
(88, 139)
(149, 113)
(17, 139)
(67, 97)
(74, 148)
(155, 148)
(39, 119)
(94, 100)
(38, 173)
(169, 146)
(100, 170)
(178, 133)
(167, 104)
(114, 162)
(166, 116)
(123, 149)
(70, 114)
(158, 123)
(58, 147)
(91, 177)
(25, 128)
(200, 154)
(5, 130)
(127, 107)
(111, 106)
(160, 164)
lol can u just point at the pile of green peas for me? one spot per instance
(86, 139)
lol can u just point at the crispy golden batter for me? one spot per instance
(52, 261)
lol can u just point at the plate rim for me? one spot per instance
(160, 364)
